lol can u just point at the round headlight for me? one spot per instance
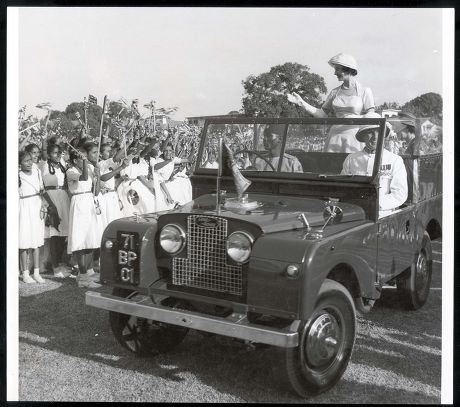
(239, 246)
(172, 239)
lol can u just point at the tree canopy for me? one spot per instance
(426, 105)
(265, 94)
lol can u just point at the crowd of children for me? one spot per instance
(70, 191)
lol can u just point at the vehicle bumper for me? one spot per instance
(236, 325)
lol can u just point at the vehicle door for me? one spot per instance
(396, 230)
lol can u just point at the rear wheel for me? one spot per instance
(144, 337)
(414, 283)
(325, 342)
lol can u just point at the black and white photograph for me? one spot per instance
(230, 204)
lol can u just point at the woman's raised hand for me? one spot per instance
(295, 98)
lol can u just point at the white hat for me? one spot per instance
(365, 129)
(344, 60)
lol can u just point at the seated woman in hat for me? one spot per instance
(350, 99)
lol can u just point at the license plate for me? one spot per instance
(128, 258)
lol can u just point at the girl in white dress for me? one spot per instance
(177, 187)
(31, 214)
(134, 190)
(350, 100)
(54, 179)
(109, 201)
(85, 225)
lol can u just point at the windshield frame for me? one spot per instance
(381, 122)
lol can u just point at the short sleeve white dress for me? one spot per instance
(179, 187)
(346, 102)
(54, 185)
(108, 198)
(133, 194)
(31, 226)
(85, 225)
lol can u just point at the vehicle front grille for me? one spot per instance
(206, 264)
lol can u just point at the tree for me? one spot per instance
(426, 105)
(265, 94)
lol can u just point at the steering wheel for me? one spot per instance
(258, 155)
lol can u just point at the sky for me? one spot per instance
(196, 58)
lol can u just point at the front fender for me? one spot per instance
(270, 289)
(356, 249)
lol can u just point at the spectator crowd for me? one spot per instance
(71, 188)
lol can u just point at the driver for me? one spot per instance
(392, 174)
(273, 136)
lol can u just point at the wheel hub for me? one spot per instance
(322, 341)
(421, 272)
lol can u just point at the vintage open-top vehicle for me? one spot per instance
(288, 263)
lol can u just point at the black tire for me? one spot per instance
(363, 306)
(414, 283)
(315, 365)
(144, 337)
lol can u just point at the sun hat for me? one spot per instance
(344, 60)
(366, 129)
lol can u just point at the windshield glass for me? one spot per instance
(307, 148)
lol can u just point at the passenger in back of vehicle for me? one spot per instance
(392, 174)
(273, 136)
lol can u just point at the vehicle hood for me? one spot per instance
(274, 213)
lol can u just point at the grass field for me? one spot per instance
(67, 353)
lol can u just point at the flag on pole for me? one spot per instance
(92, 99)
(45, 105)
(106, 105)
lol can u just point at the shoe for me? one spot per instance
(74, 272)
(61, 272)
(26, 277)
(90, 272)
(84, 281)
(38, 278)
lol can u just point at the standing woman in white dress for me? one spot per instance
(85, 225)
(350, 99)
(31, 217)
(54, 179)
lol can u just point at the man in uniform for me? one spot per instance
(392, 174)
(273, 136)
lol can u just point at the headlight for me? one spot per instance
(172, 239)
(239, 246)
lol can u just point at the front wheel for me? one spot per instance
(414, 284)
(325, 342)
(144, 337)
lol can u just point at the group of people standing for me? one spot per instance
(69, 193)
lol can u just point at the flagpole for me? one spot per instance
(100, 128)
(219, 175)
(27, 128)
(46, 122)
(85, 107)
